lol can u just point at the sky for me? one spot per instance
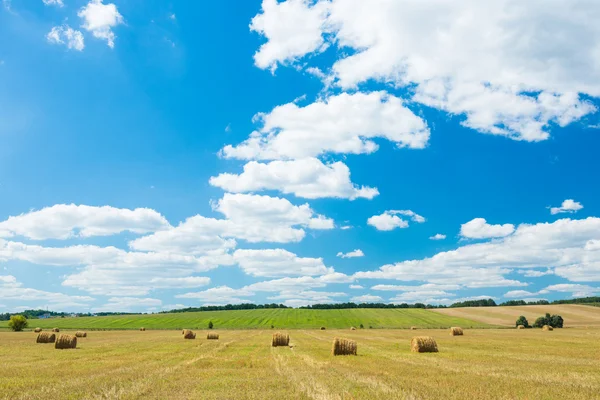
(167, 154)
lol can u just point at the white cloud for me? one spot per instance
(478, 228)
(252, 218)
(308, 178)
(307, 297)
(12, 290)
(568, 206)
(99, 19)
(520, 294)
(220, 295)
(535, 274)
(356, 287)
(351, 254)
(64, 221)
(293, 28)
(387, 221)
(421, 288)
(128, 304)
(438, 236)
(172, 16)
(66, 35)
(58, 3)
(367, 298)
(278, 262)
(409, 213)
(575, 289)
(8, 281)
(345, 227)
(342, 124)
(526, 77)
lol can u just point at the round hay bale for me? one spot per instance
(280, 339)
(81, 334)
(212, 336)
(520, 327)
(456, 331)
(352, 328)
(547, 328)
(46, 337)
(142, 329)
(323, 328)
(37, 330)
(66, 342)
(55, 330)
(188, 334)
(344, 347)
(423, 344)
(413, 328)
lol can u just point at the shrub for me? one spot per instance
(362, 326)
(272, 326)
(17, 323)
(556, 321)
(522, 321)
(210, 325)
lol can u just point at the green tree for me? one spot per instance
(210, 325)
(362, 326)
(522, 321)
(556, 321)
(17, 323)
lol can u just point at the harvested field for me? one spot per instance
(489, 363)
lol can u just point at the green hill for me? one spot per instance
(259, 319)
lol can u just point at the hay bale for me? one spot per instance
(212, 336)
(547, 328)
(322, 328)
(344, 347)
(423, 344)
(413, 328)
(142, 329)
(456, 331)
(520, 327)
(55, 330)
(37, 330)
(352, 328)
(66, 342)
(80, 334)
(188, 334)
(280, 339)
(46, 337)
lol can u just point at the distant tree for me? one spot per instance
(17, 323)
(541, 321)
(362, 326)
(210, 325)
(556, 321)
(272, 326)
(522, 321)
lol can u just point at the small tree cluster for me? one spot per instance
(522, 321)
(555, 321)
(17, 323)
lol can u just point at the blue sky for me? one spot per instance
(165, 154)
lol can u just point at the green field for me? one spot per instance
(261, 319)
(160, 364)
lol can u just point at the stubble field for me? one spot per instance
(482, 364)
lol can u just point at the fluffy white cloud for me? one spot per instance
(512, 90)
(356, 287)
(252, 218)
(220, 295)
(308, 178)
(567, 206)
(421, 288)
(278, 262)
(66, 35)
(575, 289)
(100, 18)
(128, 304)
(12, 290)
(306, 297)
(64, 221)
(8, 281)
(351, 254)
(478, 228)
(387, 221)
(344, 123)
(438, 236)
(519, 294)
(58, 3)
(367, 298)
(535, 274)
(293, 28)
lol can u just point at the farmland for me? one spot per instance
(484, 363)
(261, 319)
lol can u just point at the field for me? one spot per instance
(486, 363)
(263, 319)
(574, 315)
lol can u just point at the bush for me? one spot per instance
(17, 323)
(272, 326)
(555, 321)
(362, 326)
(522, 321)
(210, 325)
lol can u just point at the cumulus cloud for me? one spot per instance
(309, 178)
(99, 19)
(307, 297)
(367, 298)
(437, 236)
(220, 295)
(278, 262)
(356, 287)
(58, 3)
(526, 77)
(66, 35)
(389, 220)
(351, 254)
(478, 228)
(343, 124)
(567, 206)
(12, 290)
(128, 304)
(65, 221)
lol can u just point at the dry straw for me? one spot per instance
(66, 342)
(212, 336)
(46, 337)
(189, 334)
(280, 339)
(56, 330)
(343, 347)
(520, 327)
(38, 330)
(547, 328)
(423, 344)
(81, 334)
(456, 331)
